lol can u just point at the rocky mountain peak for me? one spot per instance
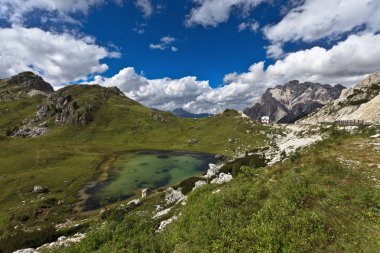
(293, 100)
(30, 81)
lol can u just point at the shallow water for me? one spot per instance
(133, 171)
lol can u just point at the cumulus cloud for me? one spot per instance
(253, 26)
(346, 63)
(165, 93)
(59, 58)
(209, 13)
(145, 6)
(15, 10)
(165, 43)
(317, 19)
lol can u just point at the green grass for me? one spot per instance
(324, 199)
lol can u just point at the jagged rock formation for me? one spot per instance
(181, 113)
(293, 100)
(361, 102)
(69, 110)
(23, 85)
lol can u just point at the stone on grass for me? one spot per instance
(222, 178)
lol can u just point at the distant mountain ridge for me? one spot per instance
(361, 102)
(293, 100)
(181, 113)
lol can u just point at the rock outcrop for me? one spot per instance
(65, 109)
(359, 103)
(293, 100)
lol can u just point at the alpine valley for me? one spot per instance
(87, 169)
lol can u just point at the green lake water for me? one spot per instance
(133, 171)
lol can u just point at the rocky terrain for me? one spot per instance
(23, 85)
(361, 102)
(293, 100)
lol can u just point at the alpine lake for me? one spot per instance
(126, 174)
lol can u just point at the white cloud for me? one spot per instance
(275, 51)
(317, 19)
(346, 63)
(60, 58)
(165, 43)
(253, 26)
(212, 12)
(15, 10)
(145, 6)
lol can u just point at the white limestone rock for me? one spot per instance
(161, 213)
(173, 196)
(222, 178)
(164, 223)
(213, 170)
(199, 184)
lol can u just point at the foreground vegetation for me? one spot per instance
(323, 199)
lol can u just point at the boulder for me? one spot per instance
(134, 202)
(222, 178)
(199, 184)
(213, 170)
(172, 196)
(146, 192)
(40, 189)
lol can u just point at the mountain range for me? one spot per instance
(181, 113)
(293, 100)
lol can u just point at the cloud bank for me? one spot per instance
(59, 58)
(345, 63)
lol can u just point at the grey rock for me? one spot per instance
(29, 131)
(222, 178)
(40, 189)
(172, 196)
(146, 192)
(192, 141)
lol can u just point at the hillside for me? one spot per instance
(361, 102)
(83, 126)
(324, 198)
(292, 101)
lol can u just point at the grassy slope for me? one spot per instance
(322, 200)
(67, 157)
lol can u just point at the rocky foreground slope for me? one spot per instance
(293, 100)
(361, 102)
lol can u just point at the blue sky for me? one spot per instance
(208, 53)
(202, 55)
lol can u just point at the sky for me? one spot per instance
(201, 55)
